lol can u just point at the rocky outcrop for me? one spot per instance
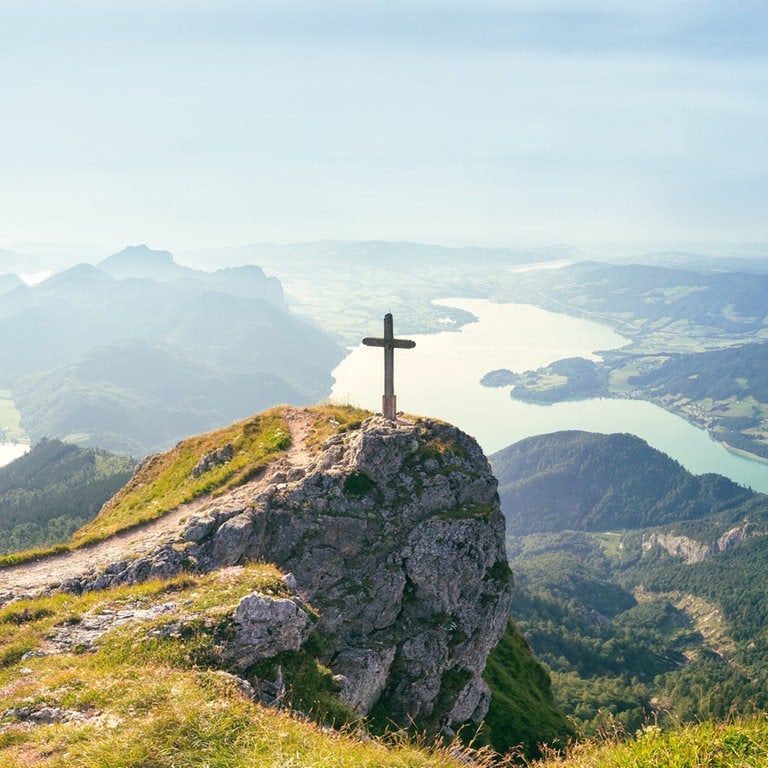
(266, 626)
(694, 551)
(395, 538)
(213, 459)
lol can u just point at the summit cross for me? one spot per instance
(390, 343)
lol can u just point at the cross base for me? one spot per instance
(389, 406)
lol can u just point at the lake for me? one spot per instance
(440, 378)
(11, 451)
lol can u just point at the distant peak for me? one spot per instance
(140, 252)
(142, 261)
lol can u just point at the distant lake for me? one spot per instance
(11, 451)
(441, 378)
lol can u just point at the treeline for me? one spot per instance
(53, 490)
(616, 661)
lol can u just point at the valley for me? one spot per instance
(639, 585)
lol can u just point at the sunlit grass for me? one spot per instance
(152, 702)
(741, 743)
(332, 418)
(166, 481)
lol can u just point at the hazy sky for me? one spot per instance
(181, 123)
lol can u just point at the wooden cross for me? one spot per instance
(389, 342)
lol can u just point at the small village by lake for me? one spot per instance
(441, 378)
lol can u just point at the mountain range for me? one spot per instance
(136, 352)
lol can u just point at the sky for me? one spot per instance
(190, 124)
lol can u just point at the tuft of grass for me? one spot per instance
(30, 555)
(441, 450)
(165, 481)
(331, 419)
(467, 512)
(737, 743)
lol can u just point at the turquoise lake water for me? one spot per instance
(441, 378)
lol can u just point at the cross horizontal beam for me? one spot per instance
(394, 343)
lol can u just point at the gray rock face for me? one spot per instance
(395, 537)
(692, 551)
(213, 459)
(265, 627)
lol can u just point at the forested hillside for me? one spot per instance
(637, 615)
(582, 481)
(54, 489)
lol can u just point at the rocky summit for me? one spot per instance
(392, 541)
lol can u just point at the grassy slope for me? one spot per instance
(742, 743)
(522, 709)
(157, 699)
(165, 480)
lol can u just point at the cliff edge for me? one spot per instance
(393, 539)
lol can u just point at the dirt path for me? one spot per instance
(31, 577)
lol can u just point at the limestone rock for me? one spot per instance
(692, 551)
(213, 459)
(265, 627)
(395, 537)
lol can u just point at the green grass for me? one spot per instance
(331, 419)
(741, 743)
(166, 481)
(157, 702)
(30, 555)
(610, 543)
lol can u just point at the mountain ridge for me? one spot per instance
(233, 325)
(576, 480)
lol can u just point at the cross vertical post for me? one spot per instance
(390, 343)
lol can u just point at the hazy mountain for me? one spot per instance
(19, 263)
(370, 278)
(646, 301)
(756, 262)
(377, 254)
(140, 261)
(133, 362)
(9, 282)
(139, 396)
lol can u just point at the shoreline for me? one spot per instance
(740, 452)
(11, 451)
